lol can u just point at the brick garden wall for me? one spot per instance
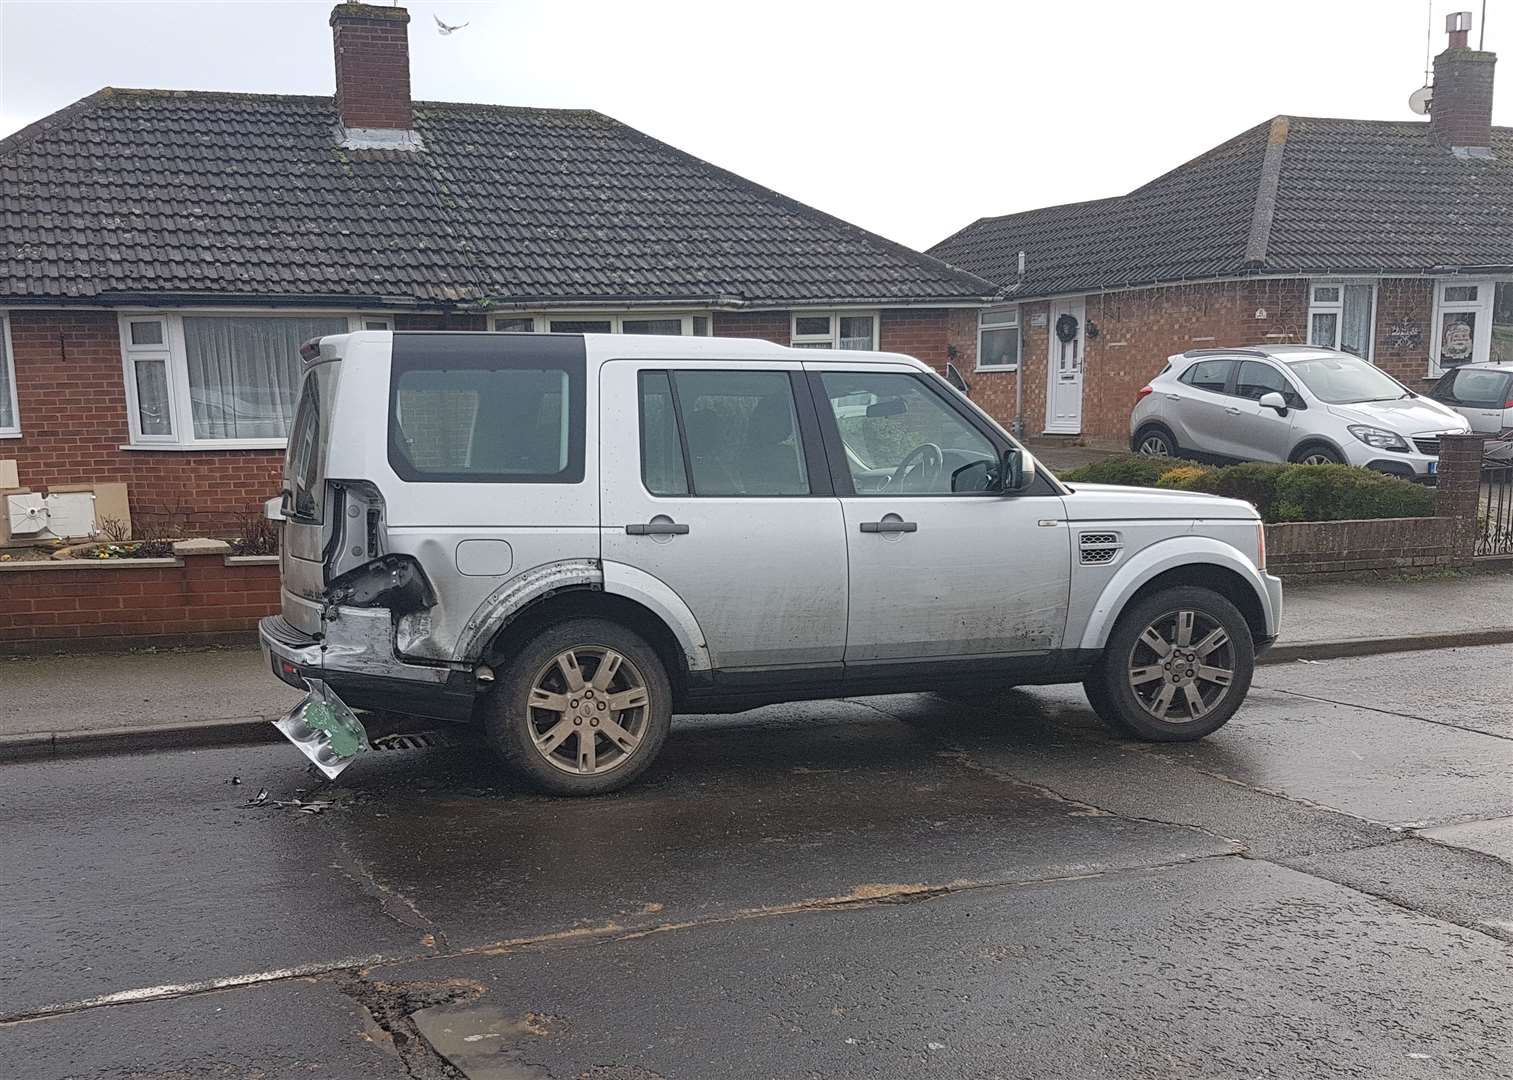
(1311, 548)
(65, 606)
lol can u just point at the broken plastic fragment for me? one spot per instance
(324, 729)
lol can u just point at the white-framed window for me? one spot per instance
(1473, 323)
(603, 322)
(1341, 315)
(10, 407)
(998, 341)
(833, 330)
(220, 380)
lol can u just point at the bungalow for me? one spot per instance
(1391, 240)
(164, 252)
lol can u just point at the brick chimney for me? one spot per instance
(1460, 110)
(373, 75)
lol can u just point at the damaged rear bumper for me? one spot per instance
(356, 659)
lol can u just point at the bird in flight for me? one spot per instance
(443, 29)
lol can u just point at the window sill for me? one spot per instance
(997, 367)
(209, 447)
(10, 434)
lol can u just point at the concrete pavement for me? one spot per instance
(70, 704)
(883, 887)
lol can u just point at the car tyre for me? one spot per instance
(1187, 692)
(582, 709)
(1155, 441)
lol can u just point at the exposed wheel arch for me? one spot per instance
(1300, 451)
(587, 602)
(1220, 579)
(1151, 427)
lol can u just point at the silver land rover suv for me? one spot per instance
(568, 538)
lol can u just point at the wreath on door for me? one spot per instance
(1066, 328)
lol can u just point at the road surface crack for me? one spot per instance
(1386, 712)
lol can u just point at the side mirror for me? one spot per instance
(1276, 401)
(1017, 470)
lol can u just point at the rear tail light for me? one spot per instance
(1507, 404)
(1146, 389)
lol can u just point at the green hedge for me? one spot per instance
(1278, 492)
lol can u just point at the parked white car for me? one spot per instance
(566, 538)
(1482, 393)
(1296, 403)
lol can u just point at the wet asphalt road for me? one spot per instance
(881, 887)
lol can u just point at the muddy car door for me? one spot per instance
(714, 484)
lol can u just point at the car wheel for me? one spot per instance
(583, 709)
(1318, 454)
(1176, 666)
(1155, 442)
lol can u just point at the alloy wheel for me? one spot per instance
(588, 710)
(1318, 458)
(1181, 666)
(1155, 446)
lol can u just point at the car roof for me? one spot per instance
(602, 347)
(1486, 365)
(1283, 353)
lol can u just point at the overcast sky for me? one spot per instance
(910, 119)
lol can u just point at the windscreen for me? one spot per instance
(1344, 380)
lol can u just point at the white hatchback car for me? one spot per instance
(566, 538)
(1296, 403)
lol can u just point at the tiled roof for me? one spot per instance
(149, 191)
(1341, 196)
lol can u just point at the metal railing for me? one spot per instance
(1494, 512)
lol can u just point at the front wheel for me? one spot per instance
(582, 709)
(1318, 455)
(1175, 668)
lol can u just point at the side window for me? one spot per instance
(475, 413)
(662, 468)
(1257, 379)
(1210, 375)
(900, 437)
(1475, 389)
(739, 431)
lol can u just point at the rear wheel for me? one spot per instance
(584, 708)
(1155, 442)
(1176, 666)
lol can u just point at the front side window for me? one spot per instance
(10, 421)
(1210, 375)
(1340, 317)
(900, 437)
(469, 415)
(1255, 380)
(833, 330)
(998, 339)
(1344, 380)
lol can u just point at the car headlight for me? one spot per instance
(1377, 437)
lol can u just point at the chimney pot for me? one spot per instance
(372, 50)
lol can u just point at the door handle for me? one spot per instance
(1173, 397)
(1233, 411)
(889, 526)
(657, 528)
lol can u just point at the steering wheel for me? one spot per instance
(925, 462)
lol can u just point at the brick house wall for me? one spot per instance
(1140, 328)
(71, 392)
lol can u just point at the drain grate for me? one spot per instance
(412, 740)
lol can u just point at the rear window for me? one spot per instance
(1474, 389)
(503, 409)
(305, 461)
(1211, 375)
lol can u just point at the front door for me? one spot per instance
(1063, 404)
(939, 567)
(713, 484)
